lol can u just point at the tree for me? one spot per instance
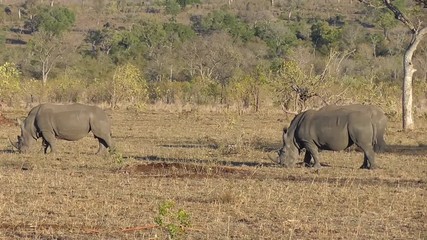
(184, 3)
(45, 51)
(417, 34)
(172, 7)
(247, 88)
(46, 46)
(127, 85)
(278, 37)
(221, 20)
(54, 20)
(324, 36)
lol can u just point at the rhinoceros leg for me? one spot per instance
(307, 159)
(101, 147)
(104, 143)
(48, 141)
(101, 131)
(369, 159)
(363, 139)
(311, 148)
(45, 145)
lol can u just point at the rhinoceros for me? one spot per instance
(69, 122)
(378, 117)
(332, 128)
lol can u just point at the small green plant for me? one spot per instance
(116, 156)
(172, 222)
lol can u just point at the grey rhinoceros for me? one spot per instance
(378, 117)
(69, 122)
(333, 128)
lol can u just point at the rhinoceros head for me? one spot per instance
(24, 140)
(288, 154)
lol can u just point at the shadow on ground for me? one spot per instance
(407, 150)
(192, 170)
(154, 158)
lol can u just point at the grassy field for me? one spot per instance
(212, 166)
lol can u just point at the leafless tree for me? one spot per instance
(418, 32)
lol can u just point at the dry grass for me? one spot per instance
(214, 165)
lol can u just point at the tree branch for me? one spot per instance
(399, 16)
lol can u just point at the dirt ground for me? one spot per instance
(211, 172)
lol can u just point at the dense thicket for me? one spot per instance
(242, 53)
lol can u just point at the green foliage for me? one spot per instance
(33, 91)
(172, 7)
(151, 36)
(171, 221)
(178, 32)
(210, 60)
(293, 87)
(124, 46)
(101, 41)
(382, 94)
(66, 89)
(165, 91)
(127, 85)
(202, 91)
(325, 36)
(54, 20)
(382, 16)
(144, 40)
(2, 38)
(9, 82)
(278, 37)
(247, 89)
(379, 44)
(98, 91)
(184, 3)
(221, 20)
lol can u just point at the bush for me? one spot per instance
(66, 89)
(9, 82)
(127, 86)
(32, 91)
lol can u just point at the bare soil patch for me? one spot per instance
(187, 170)
(5, 121)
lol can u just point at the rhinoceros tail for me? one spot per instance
(379, 131)
(380, 144)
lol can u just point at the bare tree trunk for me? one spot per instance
(417, 35)
(407, 114)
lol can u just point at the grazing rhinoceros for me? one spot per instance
(331, 128)
(378, 117)
(69, 122)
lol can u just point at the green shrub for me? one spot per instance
(66, 89)
(171, 221)
(127, 86)
(9, 82)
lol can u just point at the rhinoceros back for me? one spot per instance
(70, 122)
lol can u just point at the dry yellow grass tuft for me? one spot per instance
(213, 166)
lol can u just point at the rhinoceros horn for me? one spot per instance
(15, 145)
(274, 159)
